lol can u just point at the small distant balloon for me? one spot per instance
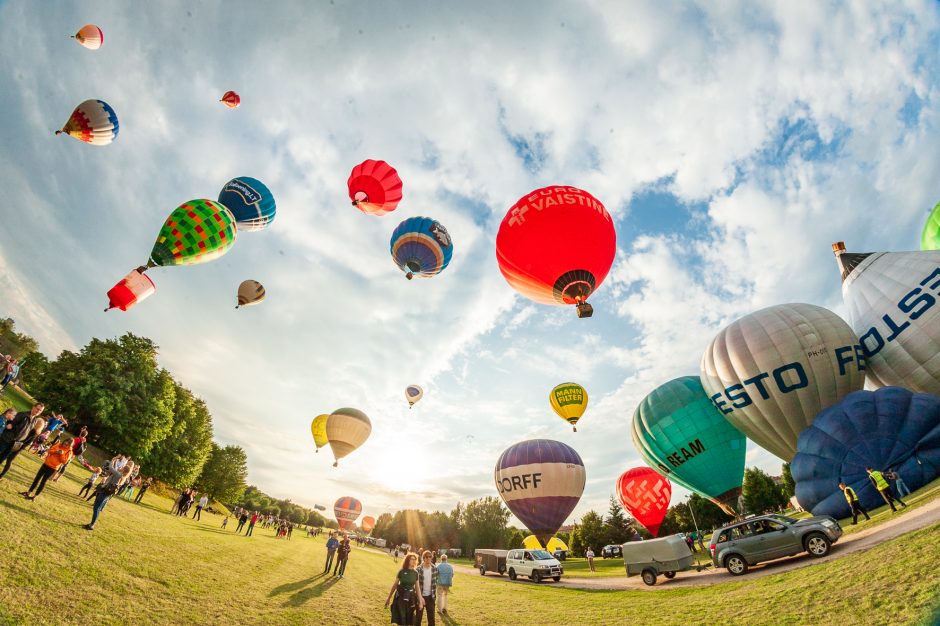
(231, 99)
(413, 393)
(251, 203)
(569, 401)
(422, 247)
(89, 36)
(347, 510)
(250, 292)
(94, 122)
(318, 428)
(367, 524)
(374, 187)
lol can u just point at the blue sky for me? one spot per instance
(732, 143)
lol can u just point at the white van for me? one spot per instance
(536, 564)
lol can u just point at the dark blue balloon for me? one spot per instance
(250, 201)
(888, 428)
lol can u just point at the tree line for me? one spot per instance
(133, 406)
(254, 499)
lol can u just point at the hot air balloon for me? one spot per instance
(892, 301)
(678, 430)
(319, 507)
(556, 245)
(569, 400)
(531, 542)
(771, 372)
(130, 290)
(250, 201)
(94, 122)
(889, 428)
(413, 393)
(374, 187)
(318, 428)
(347, 510)
(231, 99)
(367, 524)
(347, 429)
(645, 495)
(541, 481)
(89, 36)
(249, 292)
(421, 246)
(197, 231)
(930, 237)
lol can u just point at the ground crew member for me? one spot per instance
(878, 479)
(852, 498)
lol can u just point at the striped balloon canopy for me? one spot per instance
(89, 36)
(251, 203)
(541, 481)
(249, 292)
(374, 187)
(346, 430)
(347, 510)
(94, 122)
(646, 495)
(421, 247)
(197, 231)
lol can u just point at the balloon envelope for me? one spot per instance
(250, 201)
(892, 301)
(89, 36)
(197, 231)
(771, 372)
(347, 510)
(249, 292)
(541, 481)
(678, 430)
(569, 401)
(94, 122)
(367, 524)
(531, 542)
(889, 428)
(930, 236)
(421, 247)
(347, 429)
(645, 495)
(318, 428)
(231, 99)
(556, 245)
(413, 393)
(374, 187)
(130, 290)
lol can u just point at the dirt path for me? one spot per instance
(901, 524)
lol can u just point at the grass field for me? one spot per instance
(12, 396)
(142, 566)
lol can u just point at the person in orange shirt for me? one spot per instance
(57, 456)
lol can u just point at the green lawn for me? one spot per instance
(12, 396)
(142, 566)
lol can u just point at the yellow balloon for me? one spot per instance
(569, 400)
(318, 427)
(532, 543)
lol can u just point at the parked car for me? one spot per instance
(611, 551)
(536, 564)
(490, 561)
(559, 554)
(767, 537)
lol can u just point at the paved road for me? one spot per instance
(902, 523)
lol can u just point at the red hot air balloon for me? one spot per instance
(645, 494)
(556, 246)
(374, 187)
(231, 99)
(130, 290)
(347, 511)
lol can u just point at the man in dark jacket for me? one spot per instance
(17, 434)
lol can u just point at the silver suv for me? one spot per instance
(767, 537)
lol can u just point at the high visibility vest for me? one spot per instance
(880, 481)
(850, 496)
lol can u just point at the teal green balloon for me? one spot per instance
(680, 433)
(930, 238)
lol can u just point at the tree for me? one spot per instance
(590, 533)
(179, 457)
(223, 475)
(34, 368)
(483, 524)
(789, 486)
(760, 491)
(514, 538)
(13, 343)
(617, 524)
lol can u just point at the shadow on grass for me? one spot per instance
(305, 590)
(448, 620)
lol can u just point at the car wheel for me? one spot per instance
(556, 578)
(736, 564)
(512, 574)
(669, 574)
(482, 571)
(536, 577)
(649, 577)
(817, 544)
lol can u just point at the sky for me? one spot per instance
(731, 142)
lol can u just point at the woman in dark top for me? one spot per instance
(406, 604)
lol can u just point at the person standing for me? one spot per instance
(445, 578)
(58, 455)
(143, 489)
(899, 484)
(107, 489)
(19, 433)
(251, 524)
(342, 556)
(407, 602)
(427, 586)
(225, 522)
(331, 545)
(852, 498)
(92, 479)
(242, 520)
(203, 503)
(9, 373)
(7, 415)
(590, 558)
(878, 479)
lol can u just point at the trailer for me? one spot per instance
(491, 561)
(664, 556)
